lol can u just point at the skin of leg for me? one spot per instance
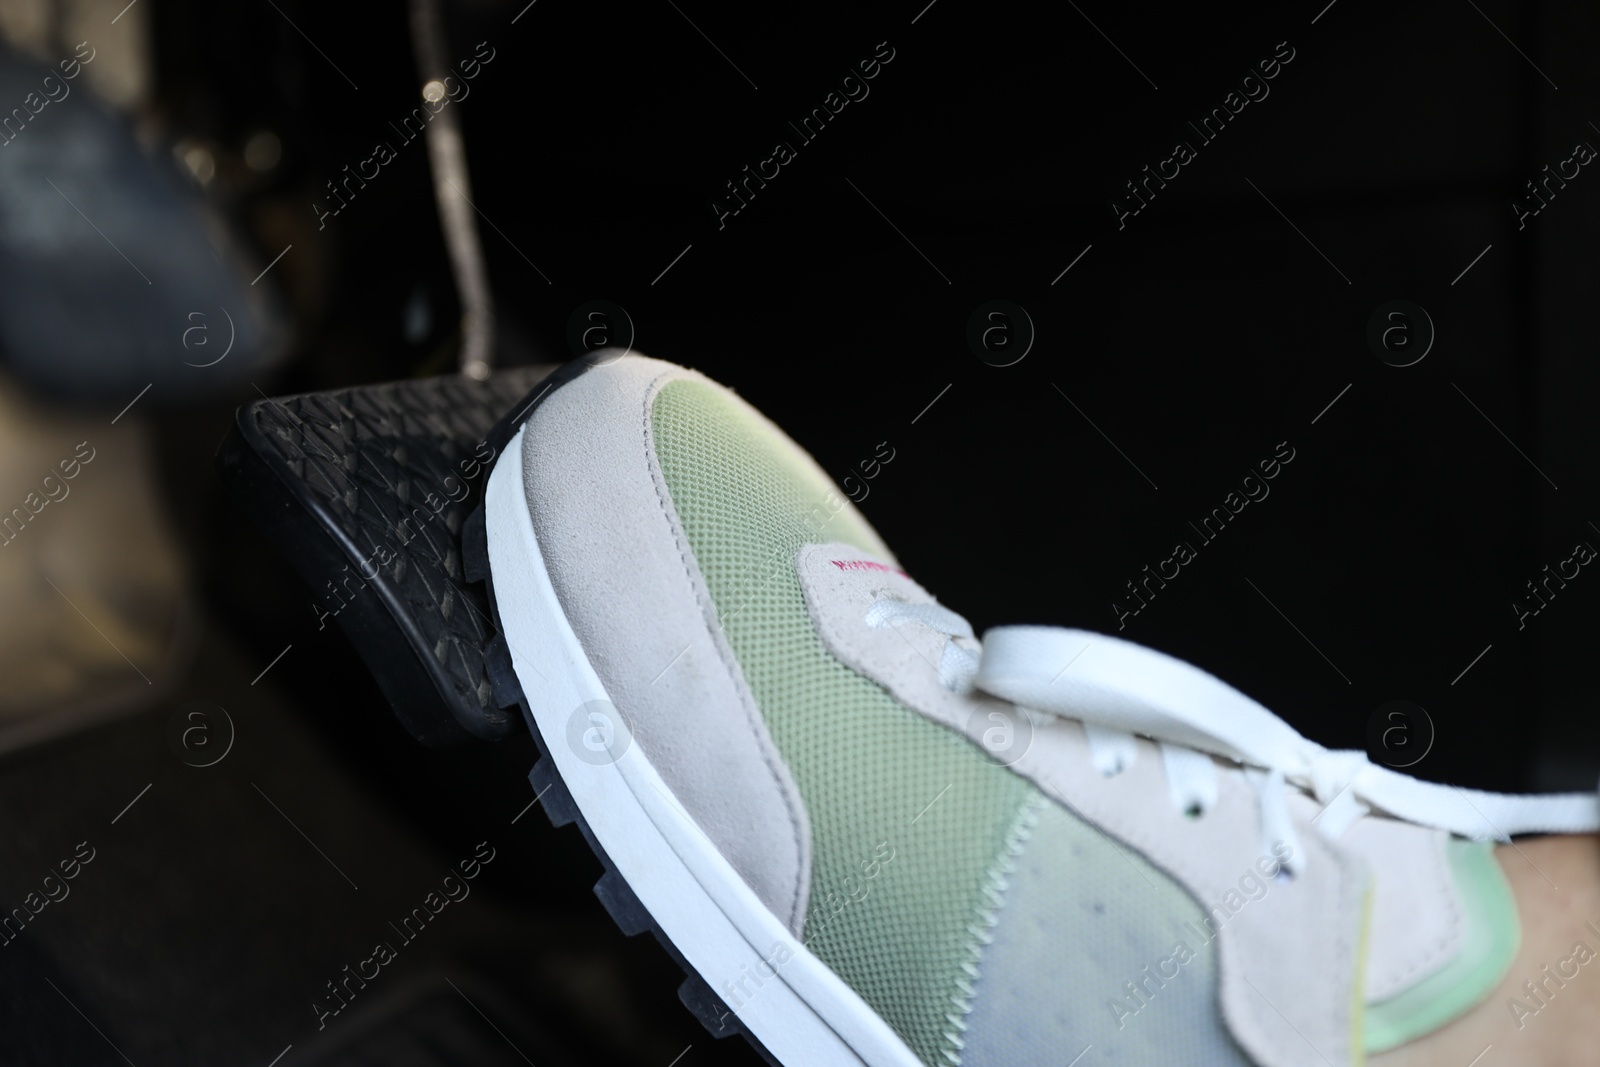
(1556, 882)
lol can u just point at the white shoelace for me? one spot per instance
(1118, 689)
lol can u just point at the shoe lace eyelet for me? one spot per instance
(1194, 810)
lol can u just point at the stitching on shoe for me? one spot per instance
(996, 884)
(708, 610)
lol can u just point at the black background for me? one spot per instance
(1196, 337)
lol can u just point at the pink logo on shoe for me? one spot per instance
(867, 565)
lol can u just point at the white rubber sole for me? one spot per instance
(796, 1006)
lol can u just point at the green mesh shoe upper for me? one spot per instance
(915, 830)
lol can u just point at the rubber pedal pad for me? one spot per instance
(474, 547)
(378, 481)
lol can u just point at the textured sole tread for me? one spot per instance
(507, 689)
(552, 792)
(622, 904)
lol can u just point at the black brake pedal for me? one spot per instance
(366, 491)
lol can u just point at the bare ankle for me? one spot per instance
(1542, 1014)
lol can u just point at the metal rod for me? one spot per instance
(452, 190)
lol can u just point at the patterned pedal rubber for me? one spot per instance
(367, 490)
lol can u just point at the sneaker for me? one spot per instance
(878, 842)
